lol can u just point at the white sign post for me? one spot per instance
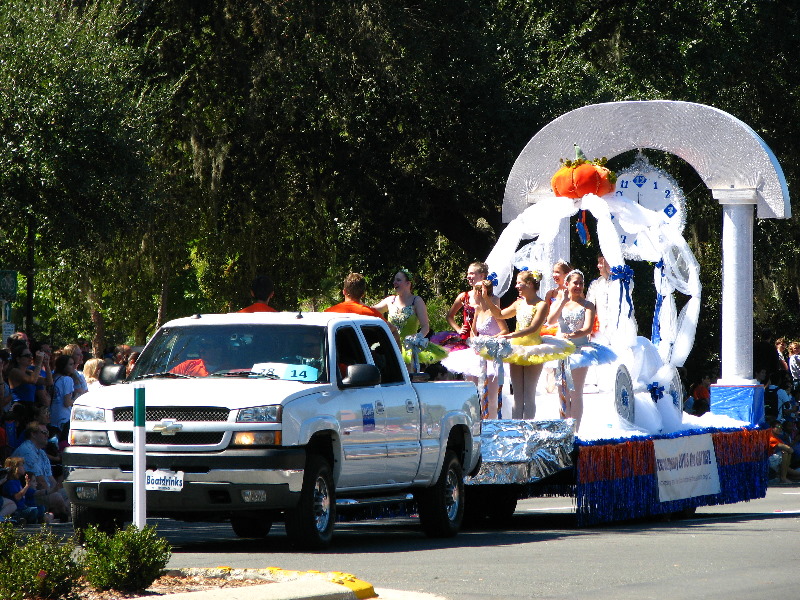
(139, 458)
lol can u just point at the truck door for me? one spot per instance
(400, 404)
(361, 417)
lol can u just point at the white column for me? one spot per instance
(737, 284)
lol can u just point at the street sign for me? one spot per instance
(8, 285)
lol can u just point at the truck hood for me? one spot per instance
(230, 393)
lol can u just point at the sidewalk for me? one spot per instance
(273, 583)
(293, 585)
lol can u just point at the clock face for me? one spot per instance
(656, 190)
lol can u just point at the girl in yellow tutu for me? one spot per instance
(530, 349)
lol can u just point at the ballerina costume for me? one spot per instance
(466, 361)
(587, 353)
(534, 348)
(407, 323)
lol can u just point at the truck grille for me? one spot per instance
(186, 438)
(178, 413)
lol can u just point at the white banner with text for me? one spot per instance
(686, 467)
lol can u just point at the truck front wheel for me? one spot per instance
(310, 524)
(107, 521)
(441, 507)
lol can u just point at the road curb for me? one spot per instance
(284, 584)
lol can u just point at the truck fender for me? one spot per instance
(468, 450)
(324, 425)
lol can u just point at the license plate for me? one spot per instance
(164, 481)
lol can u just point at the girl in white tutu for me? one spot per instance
(530, 349)
(574, 315)
(466, 361)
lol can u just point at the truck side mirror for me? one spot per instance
(111, 374)
(362, 376)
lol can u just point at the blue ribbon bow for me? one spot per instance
(623, 274)
(655, 336)
(656, 391)
(492, 278)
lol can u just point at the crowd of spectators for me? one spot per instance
(698, 401)
(38, 386)
(781, 383)
(782, 412)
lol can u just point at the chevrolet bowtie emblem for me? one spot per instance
(167, 427)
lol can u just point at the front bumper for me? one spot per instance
(213, 482)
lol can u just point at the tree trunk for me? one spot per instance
(29, 281)
(99, 339)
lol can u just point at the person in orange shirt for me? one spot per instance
(355, 286)
(212, 358)
(262, 290)
(781, 455)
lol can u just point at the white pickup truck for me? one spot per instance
(270, 416)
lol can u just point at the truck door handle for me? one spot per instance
(379, 407)
(411, 406)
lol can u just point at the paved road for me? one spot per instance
(745, 550)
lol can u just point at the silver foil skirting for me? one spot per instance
(518, 451)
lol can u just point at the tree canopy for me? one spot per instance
(157, 156)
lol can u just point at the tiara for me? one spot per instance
(578, 271)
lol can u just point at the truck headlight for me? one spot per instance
(84, 437)
(256, 438)
(260, 414)
(88, 413)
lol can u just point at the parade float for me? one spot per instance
(637, 453)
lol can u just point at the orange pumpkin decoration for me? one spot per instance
(580, 177)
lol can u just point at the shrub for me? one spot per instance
(129, 560)
(37, 566)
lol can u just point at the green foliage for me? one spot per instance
(76, 141)
(39, 566)
(129, 560)
(438, 308)
(162, 154)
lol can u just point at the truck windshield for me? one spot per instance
(290, 352)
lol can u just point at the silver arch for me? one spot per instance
(725, 152)
(731, 158)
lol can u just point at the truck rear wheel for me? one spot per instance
(502, 508)
(310, 524)
(250, 526)
(441, 507)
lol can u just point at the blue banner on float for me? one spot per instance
(742, 402)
